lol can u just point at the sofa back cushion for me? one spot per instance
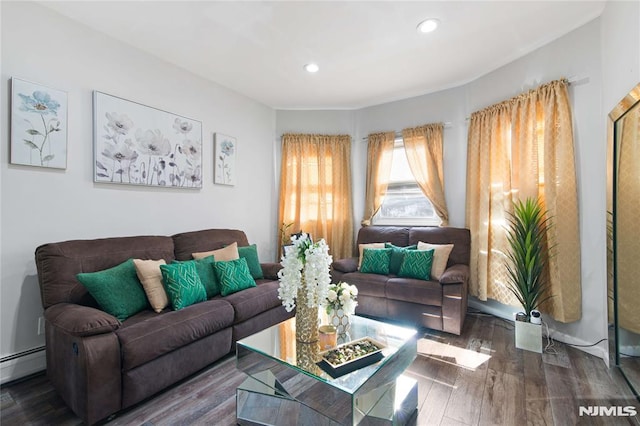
(398, 236)
(459, 237)
(59, 263)
(187, 243)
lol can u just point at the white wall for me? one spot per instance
(44, 205)
(577, 55)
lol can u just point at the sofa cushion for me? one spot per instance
(441, 254)
(250, 254)
(207, 274)
(148, 335)
(414, 291)
(224, 254)
(59, 263)
(397, 254)
(375, 261)
(182, 284)
(368, 284)
(255, 300)
(459, 237)
(361, 248)
(233, 276)
(416, 264)
(150, 276)
(187, 243)
(398, 236)
(117, 290)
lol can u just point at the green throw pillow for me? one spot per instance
(117, 290)
(206, 273)
(233, 276)
(416, 264)
(376, 261)
(182, 284)
(397, 254)
(250, 253)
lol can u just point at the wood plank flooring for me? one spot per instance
(478, 378)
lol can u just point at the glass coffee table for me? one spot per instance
(285, 385)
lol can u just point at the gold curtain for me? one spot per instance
(626, 216)
(379, 156)
(315, 189)
(523, 148)
(423, 146)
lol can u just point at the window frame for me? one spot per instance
(404, 221)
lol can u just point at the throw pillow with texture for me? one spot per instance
(397, 254)
(250, 254)
(229, 252)
(150, 276)
(361, 248)
(440, 257)
(233, 276)
(117, 290)
(182, 284)
(376, 261)
(416, 264)
(206, 273)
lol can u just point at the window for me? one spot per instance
(404, 202)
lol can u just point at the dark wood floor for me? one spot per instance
(478, 378)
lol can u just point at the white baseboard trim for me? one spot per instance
(22, 366)
(597, 350)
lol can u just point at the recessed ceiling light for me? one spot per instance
(311, 67)
(428, 25)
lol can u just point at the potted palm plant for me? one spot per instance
(526, 263)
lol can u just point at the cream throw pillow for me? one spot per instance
(224, 254)
(441, 254)
(149, 274)
(361, 247)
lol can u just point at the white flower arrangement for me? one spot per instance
(311, 260)
(341, 296)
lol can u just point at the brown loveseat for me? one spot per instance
(100, 365)
(439, 305)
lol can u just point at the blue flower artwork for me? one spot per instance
(225, 159)
(38, 125)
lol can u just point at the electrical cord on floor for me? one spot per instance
(549, 348)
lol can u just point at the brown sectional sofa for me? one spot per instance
(438, 305)
(100, 365)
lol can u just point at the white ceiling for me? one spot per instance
(368, 52)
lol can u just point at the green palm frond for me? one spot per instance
(527, 258)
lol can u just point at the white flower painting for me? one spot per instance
(140, 145)
(38, 125)
(225, 159)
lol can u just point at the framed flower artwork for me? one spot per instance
(140, 145)
(38, 125)
(225, 159)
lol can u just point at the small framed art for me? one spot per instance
(225, 159)
(38, 125)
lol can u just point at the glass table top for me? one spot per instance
(277, 345)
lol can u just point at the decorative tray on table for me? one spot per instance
(351, 356)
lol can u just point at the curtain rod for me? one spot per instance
(447, 125)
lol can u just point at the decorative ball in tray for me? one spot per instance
(351, 356)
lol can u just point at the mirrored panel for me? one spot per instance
(624, 235)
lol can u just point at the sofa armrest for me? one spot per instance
(270, 270)
(80, 321)
(347, 265)
(83, 359)
(455, 274)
